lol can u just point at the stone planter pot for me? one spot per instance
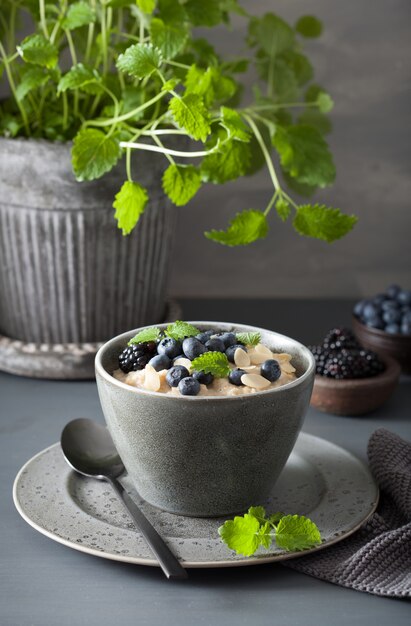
(67, 275)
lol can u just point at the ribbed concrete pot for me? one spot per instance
(67, 275)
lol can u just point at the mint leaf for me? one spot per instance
(190, 113)
(148, 334)
(272, 34)
(249, 339)
(257, 511)
(246, 227)
(204, 13)
(129, 204)
(322, 222)
(314, 117)
(31, 78)
(275, 517)
(215, 363)
(309, 26)
(304, 154)
(139, 60)
(147, 6)
(170, 84)
(80, 77)
(79, 14)
(93, 154)
(180, 330)
(325, 102)
(241, 533)
(296, 532)
(170, 38)
(228, 163)
(233, 122)
(181, 183)
(283, 209)
(38, 50)
(264, 535)
(210, 84)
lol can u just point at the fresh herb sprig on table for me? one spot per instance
(138, 75)
(247, 533)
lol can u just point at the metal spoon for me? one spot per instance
(89, 449)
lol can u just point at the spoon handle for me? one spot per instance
(169, 563)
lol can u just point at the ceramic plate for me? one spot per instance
(320, 480)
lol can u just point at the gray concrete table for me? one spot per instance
(43, 583)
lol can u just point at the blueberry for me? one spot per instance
(160, 362)
(231, 351)
(387, 305)
(192, 348)
(170, 347)
(392, 291)
(203, 378)
(370, 311)
(375, 322)
(406, 317)
(175, 374)
(235, 376)
(189, 386)
(359, 307)
(271, 370)
(404, 296)
(203, 337)
(393, 329)
(379, 298)
(391, 316)
(229, 339)
(406, 328)
(215, 344)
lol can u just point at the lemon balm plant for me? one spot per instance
(123, 77)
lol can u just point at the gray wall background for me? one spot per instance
(363, 59)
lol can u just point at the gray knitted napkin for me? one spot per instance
(376, 558)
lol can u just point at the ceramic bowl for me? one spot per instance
(205, 456)
(396, 346)
(355, 397)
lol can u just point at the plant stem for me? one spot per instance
(65, 110)
(104, 38)
(164, 150)
(128, 164)
(71, 46)
(166, 154)
(176, 64)
(264, 150)
(270, 204)
(43, 22)
(13, 89)
(126, 116)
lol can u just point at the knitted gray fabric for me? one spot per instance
(376, 558)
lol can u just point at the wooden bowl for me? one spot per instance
(355, 396)
(396, 346)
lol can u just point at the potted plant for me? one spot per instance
(122, 88)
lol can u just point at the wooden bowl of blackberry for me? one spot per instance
(351, 379)
(383, 323)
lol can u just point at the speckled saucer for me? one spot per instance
(320, 480)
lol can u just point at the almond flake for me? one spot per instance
(241, 358)
(255, 381)
(184, 362)
(257, 357)
(262, 349)
(287, 367)
(283, 356)
(152, 380)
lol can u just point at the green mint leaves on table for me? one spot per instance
(245, 534)
(139, 77)
(249, 339)
(215, 363)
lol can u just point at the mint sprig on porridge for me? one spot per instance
(184, 360)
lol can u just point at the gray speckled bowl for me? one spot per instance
(205, 456)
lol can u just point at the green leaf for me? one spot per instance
(147, 6)
(228, 163)
(80, 77)
(264, 535)
(31, 78)
(190, 113)
(181, 183)
(234, 124)
(180, 330)
(257, 511)
(272, 34)
(275, 517)
(241, 533)
(246, 227)
(283, 209)
(313, 117)
(148, 334)
(304, 154)
(139, 60)
(38, 50)
(215, 363)
(325, 102)
(210, 84)
(170, 38)
(249, 339)
(170, 84)
(93, 154)
(129, 204)
(79, 14)
(204, 12)
(309, 26)
(171, 12)
(322, 222)
(296, 532)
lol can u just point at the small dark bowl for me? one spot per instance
(355, 397)
(396, 346)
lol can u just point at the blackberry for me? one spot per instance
(339, 338)
(133, 358)
(321, 355)
(351, 364)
